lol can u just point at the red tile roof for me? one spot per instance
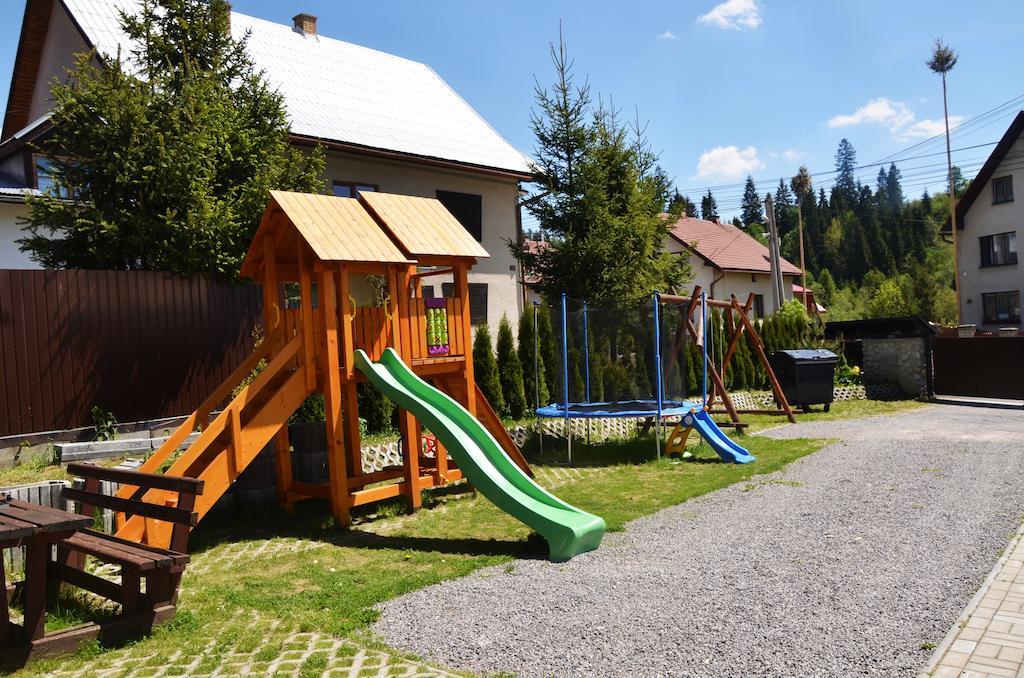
(725, 246)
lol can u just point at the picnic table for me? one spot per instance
(36, 528)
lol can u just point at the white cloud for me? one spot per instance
(923, 129)
(667, 35)
(793, 155)
(897, 117)
(728, 162)
(733, 14)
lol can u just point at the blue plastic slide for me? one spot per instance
(728, 450)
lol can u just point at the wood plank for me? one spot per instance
(336, 466)
(137, 478)
(170, 514)
(84, 580)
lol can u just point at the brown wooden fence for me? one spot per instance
(980, 367)
(142, 345)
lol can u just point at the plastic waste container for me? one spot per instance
(806, 375)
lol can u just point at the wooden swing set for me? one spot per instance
(733, 312)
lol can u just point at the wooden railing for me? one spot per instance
(372, 331)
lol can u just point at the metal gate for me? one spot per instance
(979, 367)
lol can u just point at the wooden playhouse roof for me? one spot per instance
(422, 226)
(378, 228)
(337, 229)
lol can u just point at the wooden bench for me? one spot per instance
(160, 568)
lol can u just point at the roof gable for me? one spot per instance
(1014, 132)
(725, 246)
(422, 226)
(336, 229)
(338, 91)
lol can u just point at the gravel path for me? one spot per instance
(866, 551)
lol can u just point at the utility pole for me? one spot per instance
(803, 269)
(942, 62)
(773, 255)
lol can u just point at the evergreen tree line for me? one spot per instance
(868, 249)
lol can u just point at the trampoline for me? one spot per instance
(621, 408)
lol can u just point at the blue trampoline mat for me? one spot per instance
(621, 408)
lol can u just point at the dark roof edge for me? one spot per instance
(1013, 132)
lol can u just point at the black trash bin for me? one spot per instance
(806, 375)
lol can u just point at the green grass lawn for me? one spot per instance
(309, 577)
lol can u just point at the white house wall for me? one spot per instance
(984, 218)
(498, 200)
(10, 230)
(63, 42)
(721, 286)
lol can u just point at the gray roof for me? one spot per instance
(342, 92)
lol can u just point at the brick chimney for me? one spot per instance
(305, 23)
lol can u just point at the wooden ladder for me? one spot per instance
(228, 443)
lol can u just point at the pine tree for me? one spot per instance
(171, 150)
(510, 372)
(681, 205)
(527, 359)
(846, 182)
(551, 357)
(708, 207)
(801, 184)
(894, 190)
(485, 369)
(751, 211)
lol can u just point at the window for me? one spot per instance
(350, 189)
(1002, 190)
(427, 291)
(477, 301)
(758, 305)
(1001, 307)
(44, 177)
(999, 249)
(467, 208)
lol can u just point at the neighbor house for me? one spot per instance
(728, 261)
(988, 221)
(387, 123)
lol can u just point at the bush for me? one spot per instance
(485, 369)
(311, 410)
(375, 408)
(552, 358)
(510, 372)
(526, 361)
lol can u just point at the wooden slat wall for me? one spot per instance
(142, 345)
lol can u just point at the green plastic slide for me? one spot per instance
(568, 530)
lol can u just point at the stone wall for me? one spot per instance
(902, 362)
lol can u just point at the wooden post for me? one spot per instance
(759, 347)
(462, 291)
(271, 295)
(408, 427)
(283, 463)
(332, 400)
(734, 341)
(306, 308)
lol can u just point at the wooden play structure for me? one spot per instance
(357, 265)
(737, 321)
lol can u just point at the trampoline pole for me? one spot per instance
(657, 363)
(565, 376)
(704, 347)
(536, 375)
(586, 360)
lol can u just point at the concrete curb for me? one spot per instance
(972, 605)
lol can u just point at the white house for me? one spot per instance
(726, 261)
(387, 123)
(988, 222)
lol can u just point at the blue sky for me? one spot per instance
(758, 86)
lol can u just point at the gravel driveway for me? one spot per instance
(862, 554)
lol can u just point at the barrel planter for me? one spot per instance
(309, 452)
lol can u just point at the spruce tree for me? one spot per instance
(708, 207)
(168, 151)
(846, 182)
(485, 369)
(527, 347)
(510, 372)
(751, 211)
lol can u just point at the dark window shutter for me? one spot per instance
(427, 291)
(478, 303)
(986, 250)
(467, 208)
